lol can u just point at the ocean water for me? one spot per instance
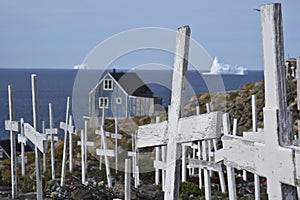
(55, 85)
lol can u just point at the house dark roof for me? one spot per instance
(132, 84)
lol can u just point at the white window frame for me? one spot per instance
(118, 100)
(105, 100)
(106, 84)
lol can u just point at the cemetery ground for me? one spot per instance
(236, 103)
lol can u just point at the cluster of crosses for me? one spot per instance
(268, 152)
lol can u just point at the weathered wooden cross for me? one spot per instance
(104, 151)
(12, 126)
(273, 158)
(39, 140)
(134, 156)
(84, 144)
(178, 130)
(50, 133)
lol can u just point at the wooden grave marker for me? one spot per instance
(50, 134)
(178, 130)
(12, 126)
(84, 144)
(274, 158)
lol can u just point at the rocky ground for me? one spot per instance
(237, 103)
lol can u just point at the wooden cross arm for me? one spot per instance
(12, 125)
(159, 164)
(105, 152)
(67, 127)
(255, 157)
(255, 136)
(202, 164)
(109, 134)
(51, 131)
(200, 127)
(38, 139)
(152, 135)
(55, 138)
(88, 144)
(22, 139)
(193, 128)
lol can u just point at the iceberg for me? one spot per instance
(221, 68)
(81, 66)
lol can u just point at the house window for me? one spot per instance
(108, 84)
(118, 100)
(103, 102)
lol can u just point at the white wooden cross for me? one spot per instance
(23, 140)
(39, 140)
(178, 130)
(51, 132)
(272, 158)
(134, 157)
(84, 144)
(104, 151)
(65, 127)
(12, 126)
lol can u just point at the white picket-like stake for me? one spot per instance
(116, 146)
(127, 179)
(207, 182)
(163, 159)
(83, 167)
(64, 161)
(254, 114)
(197, 110)
(183, 164)
(157, 157)
(254, 129)
(230, 170)
(44, 153)
(208, 107)
(12, 143)
(234, 131)
(38, 172)
(22, 139)
(200, 170)
(70, 145)
(51, 132)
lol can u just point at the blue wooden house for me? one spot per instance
(121, 95)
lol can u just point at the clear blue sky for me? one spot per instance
(60, 33)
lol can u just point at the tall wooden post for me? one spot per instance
(52, 141)
(275, 79)
(39, 192)
(12, 144)
(275, 87)
(64, 161)
(178, 86)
